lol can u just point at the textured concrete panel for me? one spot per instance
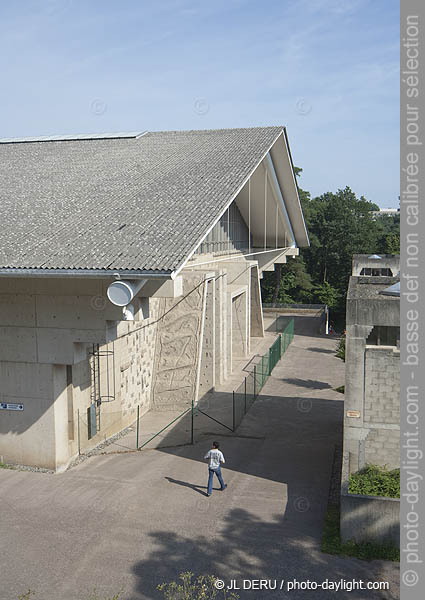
(257, 325)
(178, 339)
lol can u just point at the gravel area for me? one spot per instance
(26, 468)
(99, 449)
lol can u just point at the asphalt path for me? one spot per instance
(132, 521)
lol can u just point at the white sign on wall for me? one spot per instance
(11, 406)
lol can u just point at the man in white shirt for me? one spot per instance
(215, 457)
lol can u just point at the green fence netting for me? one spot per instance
(246, 393)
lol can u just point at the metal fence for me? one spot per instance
(101, 430)
(245, 395)
(295, 306)
(98, 426)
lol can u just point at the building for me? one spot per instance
(372, 370)
(385, 212)
(129, 275)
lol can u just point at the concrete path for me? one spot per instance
(132, 521)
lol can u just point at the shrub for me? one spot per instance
(189, 587)
(373, 480)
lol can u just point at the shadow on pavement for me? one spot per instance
(252, 548)
(196, 488)
(308, 383)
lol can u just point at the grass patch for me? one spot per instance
(340, 389)
(5, 466)
(374, 480)
(340, 349)
(331, 542)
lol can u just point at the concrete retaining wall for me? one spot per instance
(370, 519)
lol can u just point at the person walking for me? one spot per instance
(215, 457)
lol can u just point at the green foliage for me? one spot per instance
(189, 587)
(339, 225)
(290, 283)
(325, 293)
(340, 349)
(331, 542)
(5, 466)
(340, 389)
(373, 480)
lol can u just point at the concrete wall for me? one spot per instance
(256, 309)
(126, 373)
(372, 374)
(382, 405)
(208, 353)
(47, 329)
(370, 519)
(372, 395)
(361, 261)
(50, 327)
(239, 325)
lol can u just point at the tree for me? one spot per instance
(326, 294)
(339, 226)
(289, 283)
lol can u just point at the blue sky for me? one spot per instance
(327, 69)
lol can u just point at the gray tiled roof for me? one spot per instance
(140, 203)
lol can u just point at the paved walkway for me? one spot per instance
(134, 520)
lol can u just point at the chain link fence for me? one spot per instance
(245, 395)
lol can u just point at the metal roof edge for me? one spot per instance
(88, 273)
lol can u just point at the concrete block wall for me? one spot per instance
(382, 405)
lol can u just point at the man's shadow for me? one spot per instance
(197, 488)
